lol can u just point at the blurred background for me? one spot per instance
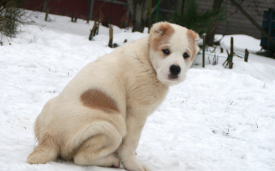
(254, 18)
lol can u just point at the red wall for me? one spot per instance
(81, 9)
(118, 15)
(67, 7)
(35, 5)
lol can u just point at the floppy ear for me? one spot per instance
(193, 39)
(193, 36)
(160, 33)
(161, 29)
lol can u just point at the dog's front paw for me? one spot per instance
(132, 164)
(146, 168)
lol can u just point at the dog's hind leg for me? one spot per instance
(47, 150)
(109, 161)
(98, 149)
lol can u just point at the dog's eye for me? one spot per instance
(166, 51)
(185, 55)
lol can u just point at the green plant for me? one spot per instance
(11, 17)
(197, 21)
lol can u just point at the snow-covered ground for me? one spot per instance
(217, 120)
(241, 42)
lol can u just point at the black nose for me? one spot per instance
(175, 69)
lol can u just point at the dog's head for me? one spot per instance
(172, 50)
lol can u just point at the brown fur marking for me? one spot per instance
(192, 38)
(162, 35)
(96, 99)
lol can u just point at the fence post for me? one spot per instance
(47, 13)
(97, 28)
(72, 17)
(246, 55)
(203, 52)
(230, 57)
(110, 36)
(91, 35)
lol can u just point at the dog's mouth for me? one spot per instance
(172, 77)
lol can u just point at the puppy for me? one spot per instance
(98, 118)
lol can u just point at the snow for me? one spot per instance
(241, 42)
(217, 120)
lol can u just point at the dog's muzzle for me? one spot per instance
(174, 71)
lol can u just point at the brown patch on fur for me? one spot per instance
(96, 99)
(192, 38)
(160, 34)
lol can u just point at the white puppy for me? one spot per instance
(98, 118)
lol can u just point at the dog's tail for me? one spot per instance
(46, 151)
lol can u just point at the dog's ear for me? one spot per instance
(160, 29)
(193, 39)
(193, 36)
(160, 33)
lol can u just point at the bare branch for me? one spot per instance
(11, 17)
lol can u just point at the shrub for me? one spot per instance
(199, 22)
(11, 17)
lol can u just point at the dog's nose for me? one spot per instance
(175, 69)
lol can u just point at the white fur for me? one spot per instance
(136, 77)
